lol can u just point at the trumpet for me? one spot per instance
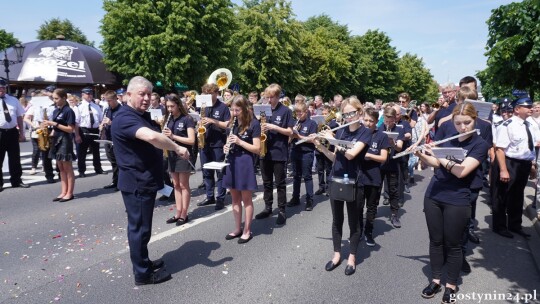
(295, 128)
(263, 137)
(201, 129)
(331, 130)
(435, 143)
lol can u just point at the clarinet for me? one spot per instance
(228, 143)
(166, 125)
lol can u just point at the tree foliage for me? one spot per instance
(268, 46)
(166, 40)
(414, 78)
(513, 47)
(6, 40)
(54, 27)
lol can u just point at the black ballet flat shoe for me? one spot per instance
(331, 266)
(66, 199)
(182, 221)
(350, 269)
(173, 219)
(243, 241)
(56, 199)
(430, 290)
(229, 236)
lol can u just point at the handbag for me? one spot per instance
(342, 190)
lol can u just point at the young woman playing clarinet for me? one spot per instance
(243, 145)
(180, 128)
(447, 202)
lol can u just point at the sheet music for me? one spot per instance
(259, 108)
(195, 116)
(203, 99)
(167, 190)
(215, 165)
(155, 114)
(319, 119)
(392, 135)
(449, 153)
(483, 108)
(341, 143)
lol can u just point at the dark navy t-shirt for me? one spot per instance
(180, 126)
(371, 170)
(351, 167)
(254, 131)
(391, 165)
(111, 114)
(140, 164)
(442, 113)
(277, 144)
(216, 136)
(445, 187)
(63, 116)
(305, 128)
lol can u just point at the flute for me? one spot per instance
(435, 143)
(331, 130)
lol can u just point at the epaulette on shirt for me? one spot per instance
(507, 122)
(498, 123)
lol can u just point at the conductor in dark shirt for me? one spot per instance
(137, 144)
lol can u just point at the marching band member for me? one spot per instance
(216, 119)
(243, 146)
(346, 161)
(302, 157)
(63, 123)
(447, 202)
(377, 154)
(112, 100)
(181, 130)
(273, 166)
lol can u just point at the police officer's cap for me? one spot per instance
(120, 91)
(50, 88)
(507, 107)
(3, 83)
(524, 101)
(87, 90)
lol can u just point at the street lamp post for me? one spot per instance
(19, 50)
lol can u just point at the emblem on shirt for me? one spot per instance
(216, 114)
(180, 126)
(374, 146)
(278, 119)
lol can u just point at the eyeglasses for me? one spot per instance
(349, 114)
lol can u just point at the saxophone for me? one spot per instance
(163, 126)
(201, 130)
(43, 135)
(263, 137)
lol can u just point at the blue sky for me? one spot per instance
(450, 36)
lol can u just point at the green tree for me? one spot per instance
(513, 47)
(6, 39)
(54, 27)
(268, 46)
(327, 57)
(166, 40)
(414, 77)
(374, 66)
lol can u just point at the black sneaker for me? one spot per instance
(449, 296)
(407, 190)
(309, 206)
(263, 214)
(430, 290)
(295, 201)
(394, 220)
(281, 218)
(155, 278)
(386, 202)
(369, 239)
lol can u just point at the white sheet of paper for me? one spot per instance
(259, 108)
(41, 101)
(319, 119)
(201, 100)
(156, 114)
(452, 153)
(195, 116)
(215, 165)
(483, 108)
(392, 135)
(167, 190)
(341, 143)
(403, 110)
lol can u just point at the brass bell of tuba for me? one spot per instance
(221, 77)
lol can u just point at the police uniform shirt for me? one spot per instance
(306, 128)
(391, 164)
(371, 170)
(84, 115)
(253, 131)
(63, 116)
(342, 165)
(14, 109)
(445, 187)
(277, 144)
(180, 126)
(140, 164)
(111, 115)
(512, 137)
(216, 137)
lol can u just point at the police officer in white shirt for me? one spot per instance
(90, 116)
(515, 158)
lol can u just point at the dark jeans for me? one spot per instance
(371, 200)
(392, 180)
(302, 163)
(88, 142)
(324, 169)
(9, 143)
(470, 224)
(403, 177)
(140, 209)
(112, 159)
(270, 171)
(209, 154)
(446, 224)
(354, 212)
(45, 160)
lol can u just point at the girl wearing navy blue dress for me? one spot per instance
(63, 123)
(181, 130)
(447, 202)
(243, 145)
(346, 161)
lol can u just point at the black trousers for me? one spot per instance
(446, 224)
(112, 159)
(324, 169)
(45, 160)
(9, 143)
(354, 216)
(392, 181)
(509, 197)
(88, 142)
(274, 171)
(371, 200)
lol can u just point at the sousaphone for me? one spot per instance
(221, 77)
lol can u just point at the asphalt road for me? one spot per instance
(76, 252)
